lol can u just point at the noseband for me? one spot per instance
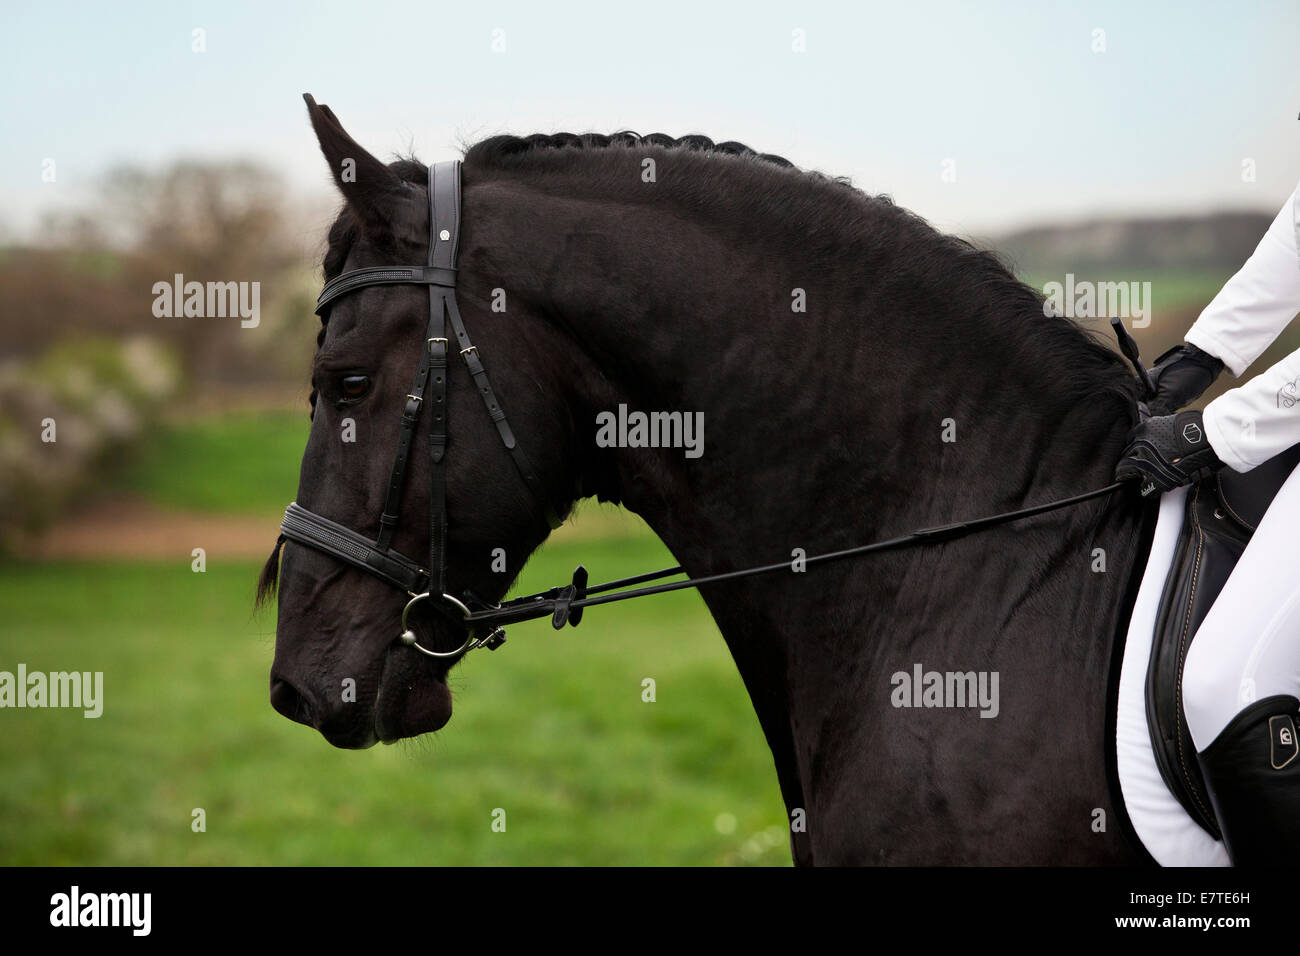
(562, 604)
(429, 388)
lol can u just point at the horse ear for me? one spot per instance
(373, 191)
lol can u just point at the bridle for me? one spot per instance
(429, 387)
(562, 604)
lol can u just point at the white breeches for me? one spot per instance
(1248, 646)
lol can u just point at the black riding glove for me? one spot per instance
(1168, 451)
(1180, 376)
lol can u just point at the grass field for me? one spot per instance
(245, 462)
(551, 728)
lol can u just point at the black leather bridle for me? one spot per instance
(429, 387)
(562, 604)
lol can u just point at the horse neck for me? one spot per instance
(826, 429)
(885, 405)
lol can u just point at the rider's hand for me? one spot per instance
(1180, 376)
(1167, 451)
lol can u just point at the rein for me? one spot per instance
(566, 603)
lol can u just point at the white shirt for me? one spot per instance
(1255, 421)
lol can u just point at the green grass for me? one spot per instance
(244, 462)
(551, 728)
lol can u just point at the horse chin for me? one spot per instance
(412, 701)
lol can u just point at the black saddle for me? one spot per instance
(1222, 513)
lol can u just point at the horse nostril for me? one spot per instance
(287, 700)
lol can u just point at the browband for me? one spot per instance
(383, 275)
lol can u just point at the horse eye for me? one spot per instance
(353, 388)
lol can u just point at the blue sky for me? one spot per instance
(1038, 126)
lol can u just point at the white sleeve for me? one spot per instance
(1250, 424)
(1257, 303)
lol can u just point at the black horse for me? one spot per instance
(860, 375)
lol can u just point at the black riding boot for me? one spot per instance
(1252, 771)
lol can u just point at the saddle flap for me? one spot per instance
(1247, 496)
(1222, 513)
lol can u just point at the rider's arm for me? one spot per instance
(1255, 421)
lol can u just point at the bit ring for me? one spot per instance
(407, 636)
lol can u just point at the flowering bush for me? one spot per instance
(67, 416)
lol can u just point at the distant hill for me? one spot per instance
(1217, 244)
(1186, 260)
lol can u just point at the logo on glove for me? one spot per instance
(1192, 433)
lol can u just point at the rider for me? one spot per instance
(1241, 679)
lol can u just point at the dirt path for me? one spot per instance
(130, 528)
